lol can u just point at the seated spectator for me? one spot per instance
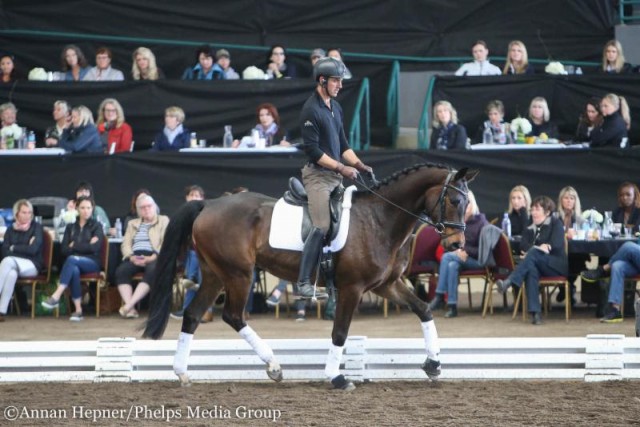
(480, 65)
(590, 119)
(336, 53)
(628, 210)
(447, 134)
(74, 64)
(268, 126)
(140, 247)
(144, 65)
(8, 71)
(539, 115)
(82, 136)
(316, 54)
(62, 116)
(277, 65)
(103, 71)
(133, 212)
(81, 246)
(613, 59)
(84, 189)
(624, 263)
(112, 127)
(21, 252)
(519, 209)
(205, 68)
(10, 132)
(495, 129)
(615, 124)
(459, 260)
(543, 253)
(223, 59)
(517, 59)
(174, 135)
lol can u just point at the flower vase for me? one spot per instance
(520, 137)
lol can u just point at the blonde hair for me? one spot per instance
(86, 117)
(525, 193)
(20, 203)
(137, 74)
(117, 106)
(447, 104)
(620, 103)
(545, 107)
(619, 58)
(577, 208)
(518, 68)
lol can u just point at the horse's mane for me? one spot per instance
(404, 172)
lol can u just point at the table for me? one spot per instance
(556, 146)
(34, 152)
(274, 150)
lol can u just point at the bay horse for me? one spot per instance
(231, 237)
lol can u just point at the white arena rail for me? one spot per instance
(592, 358)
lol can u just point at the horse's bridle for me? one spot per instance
(440, 226)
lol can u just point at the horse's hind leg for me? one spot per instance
(400, 293)
(237, 288)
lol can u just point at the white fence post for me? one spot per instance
(354, 356)
(114, 359)
(604, 358)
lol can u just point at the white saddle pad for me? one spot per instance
(286, 223)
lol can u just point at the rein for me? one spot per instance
(439, 226)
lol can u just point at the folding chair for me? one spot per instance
(423, 254)
(44, 277)
(99, 278)
(504, 266)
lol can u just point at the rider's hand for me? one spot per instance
(347, 171)
(362, 167)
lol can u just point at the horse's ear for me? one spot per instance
(465, 174)
(471, 175)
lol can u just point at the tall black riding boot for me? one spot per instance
(309, 260)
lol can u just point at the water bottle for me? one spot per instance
(22, 141)
(31, 140)
(194, 140)
(506, 225)
(487, 136)
(118, 227)
(227, 139)
(607, 226)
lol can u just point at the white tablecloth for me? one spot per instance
(240, 150)
(34, 152)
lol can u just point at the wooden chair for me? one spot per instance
(422, 256)
(99, 279)
(504, 266)
(44, 277)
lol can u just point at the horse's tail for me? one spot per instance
(174, 243)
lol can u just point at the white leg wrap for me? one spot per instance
(258, 344)
(182, 353)
(431, 339)
(332, 368)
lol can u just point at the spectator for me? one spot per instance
(82, 136)
(519, 209)
(10, 132)
(480, 65)
(21, 252)
(174, 135)
(268, 126)
(628, 210)
(81, 245)
(140, 246)
(616, 122)
(277, 65)
(144, 65)
(74, 64)
(539, 115)
(517, 59)
(447, 133)
(459, 260)
(613, 59)
(112, 127)
(62, 116)
(205, 68)
(497, 131)
(316, 54)
(103, 71)
(590, 119)
(336, 53)
(133, 212)
(8, 72)
(85, 189)
(543, 253)
(223, 59)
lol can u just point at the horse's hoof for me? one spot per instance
(184, 380)
(341, 383)
(274, 371)
(432, 368)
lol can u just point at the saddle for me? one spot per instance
(297, 196)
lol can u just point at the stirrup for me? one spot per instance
(309, 291)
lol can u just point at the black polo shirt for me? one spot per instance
(322, 129)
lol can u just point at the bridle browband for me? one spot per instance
(439, 226)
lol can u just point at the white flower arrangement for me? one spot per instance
(69, 216)
(592, 214)
(253, 73)
(38, 74)
(520, 124)
(555, 67)
(13, 130)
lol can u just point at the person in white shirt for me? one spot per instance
(480, 65)
(103, 71)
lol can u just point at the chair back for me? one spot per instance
(48, 207)
(47, 253)
(423, 249)
(503, 257)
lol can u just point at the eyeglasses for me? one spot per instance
(110, 110)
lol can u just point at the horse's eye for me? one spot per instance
(455, 202)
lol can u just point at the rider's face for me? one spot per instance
(334, 84)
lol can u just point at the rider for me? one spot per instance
(324, 143)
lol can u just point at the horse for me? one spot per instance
(231, 237)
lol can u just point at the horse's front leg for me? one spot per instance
(400, 293)
(347, 301)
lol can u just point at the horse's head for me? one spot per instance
(446, 205)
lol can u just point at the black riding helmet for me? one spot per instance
(330, 67)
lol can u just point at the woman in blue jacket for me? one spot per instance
(82, 136)
(174, 135)
(615, 125)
